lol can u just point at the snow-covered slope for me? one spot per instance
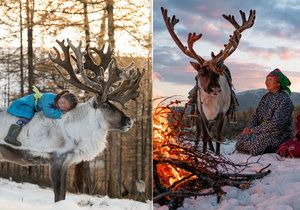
(277, 191)
(17, 196)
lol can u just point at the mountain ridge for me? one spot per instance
(249, 99)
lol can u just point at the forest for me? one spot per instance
(29, 30)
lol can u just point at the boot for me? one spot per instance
(12, 135)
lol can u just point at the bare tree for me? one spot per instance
(21, 51)
(110, 23)
(30, 24)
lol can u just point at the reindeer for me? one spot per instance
(81, 133)
(214, 91)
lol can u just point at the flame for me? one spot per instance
(164, 135)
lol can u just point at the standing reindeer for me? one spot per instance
(214, 91)
(81, 133)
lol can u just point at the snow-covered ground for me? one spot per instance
(17, 196)
(280, 190)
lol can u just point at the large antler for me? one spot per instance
(107, 79)
(233, 40)
(66, 64)
(216, 63)
(192, 38)
(128, 89)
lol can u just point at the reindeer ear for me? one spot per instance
(195, 65)
(94, 101)
(95, 105)
(112, 64)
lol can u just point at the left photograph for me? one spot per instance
(75, 104)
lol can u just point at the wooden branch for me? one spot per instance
(248, 176)
(181, 194)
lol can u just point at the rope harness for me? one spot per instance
(37, 95)
(231, 111)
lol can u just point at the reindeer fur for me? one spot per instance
(79, 135)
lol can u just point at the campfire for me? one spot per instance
(180, 169)
(165, 136)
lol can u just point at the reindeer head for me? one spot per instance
(113, 116)
(107, 80)
(209, 71)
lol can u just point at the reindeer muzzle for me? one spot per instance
(125, 124)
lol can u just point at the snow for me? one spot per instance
(26, 196)
(277, 191)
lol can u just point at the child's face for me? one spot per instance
(63, 104)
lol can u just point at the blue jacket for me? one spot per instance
(24, 107)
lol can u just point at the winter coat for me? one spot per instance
(24, 107)
(271, 124)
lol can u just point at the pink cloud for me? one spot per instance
(202, 8)
(247, 76)
(216, 14)
(156, 76)
(212, 29)
(188, 68)
(285, 55)
(226, 26)
(267, 53)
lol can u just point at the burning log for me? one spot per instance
(181, 170)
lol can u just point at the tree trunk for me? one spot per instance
(82, 176)
(148, 180)
(143, 143)
(78, 177)
(106, 171)
(30, 13)
(114, 165)
(82, 170)
(102, 29)
(135, 168)
(8, 79)
(120, 159)
(21, 53)
(86, 23)
(110, 23)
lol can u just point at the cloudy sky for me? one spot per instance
(273, 42)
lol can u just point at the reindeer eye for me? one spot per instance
(202, 72)
(106, 106)
(219, 64)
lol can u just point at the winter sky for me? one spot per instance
(273, 42)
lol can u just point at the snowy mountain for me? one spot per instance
(250, 98)
(25, 196)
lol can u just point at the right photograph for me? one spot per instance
(226, 104)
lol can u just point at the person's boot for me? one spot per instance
(12, 135)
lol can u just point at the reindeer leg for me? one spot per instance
(58, 174)
(210, 143)
(220, 121)
(66, 161)
(198, 131)
(63, 183)
(205, 137)
(55, 169)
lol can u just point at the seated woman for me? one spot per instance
(52, 106)
(271, 125)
